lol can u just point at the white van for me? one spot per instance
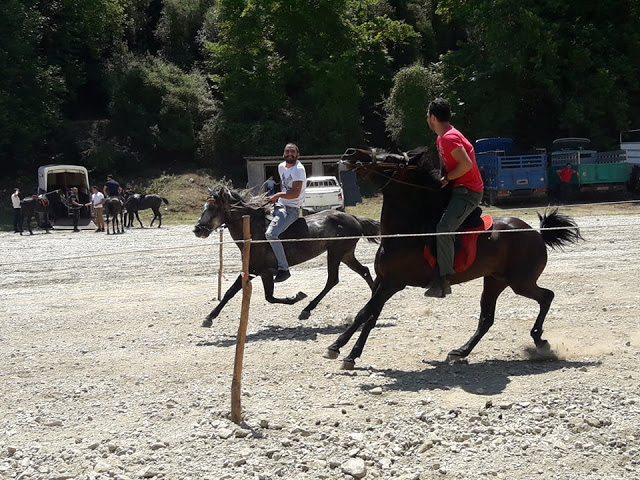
(63, 177)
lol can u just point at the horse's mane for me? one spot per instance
(241, 198)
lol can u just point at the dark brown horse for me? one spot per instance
(40, 206)
(139, 201)
(113, 209)
(504, 259)
(227, 207)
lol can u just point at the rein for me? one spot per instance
(371, 166)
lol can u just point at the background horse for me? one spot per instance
(40, 206)
(226, 207)
(139, 201)
(413, 198)
(113, 209)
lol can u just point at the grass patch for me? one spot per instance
(370, 207)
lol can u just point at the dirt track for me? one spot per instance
(108, 374)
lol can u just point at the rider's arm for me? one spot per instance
(294, 192)
(463, 164)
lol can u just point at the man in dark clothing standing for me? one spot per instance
(74, 207)
(111, 187)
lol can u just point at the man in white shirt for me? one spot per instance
(17, 211)
(97, 200)
(293, 181)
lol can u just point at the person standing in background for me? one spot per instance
(111, 187)
(17, 211)
(97, 201)
(565, 175)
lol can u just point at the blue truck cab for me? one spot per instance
(510, 176)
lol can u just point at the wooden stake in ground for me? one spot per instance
(220, 270)
(236, 390)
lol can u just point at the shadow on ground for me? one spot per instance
(486, 378)
(276, 332)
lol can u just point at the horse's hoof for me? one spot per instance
(300, 296)
(331, 354)
(304, 315)
(348, 364)
(207, 323)
(543, 347)
(456, 359)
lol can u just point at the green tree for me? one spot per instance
(303, 71)
(178, 31)
(31, 91)
(158, 110)
(413, 88)
(537, 70)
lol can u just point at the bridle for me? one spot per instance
(397, 167)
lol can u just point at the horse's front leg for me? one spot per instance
(367, 316)
(229, 294)
(267, 283)
(137, 218)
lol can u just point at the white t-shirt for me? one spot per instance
(289, 175)
(97, 199)
(15, 200)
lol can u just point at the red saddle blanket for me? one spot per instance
(466, 254)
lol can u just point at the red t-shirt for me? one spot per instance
(566, 174)
(449, 141)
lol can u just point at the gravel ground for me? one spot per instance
(107, 373)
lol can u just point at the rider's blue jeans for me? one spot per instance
(282, 218)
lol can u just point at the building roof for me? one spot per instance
(302, 158)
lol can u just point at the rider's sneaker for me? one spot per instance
(281, 276)
(439, 288)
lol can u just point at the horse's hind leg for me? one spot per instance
(544, 297)
(352, 262)
(492, 289)
(267, 283)
(156, 214)
(333, 264)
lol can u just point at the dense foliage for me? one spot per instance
(122, 85)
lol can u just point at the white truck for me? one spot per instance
(63, 177)
(322, 193)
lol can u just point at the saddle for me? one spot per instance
(42, 200)
(464, 245)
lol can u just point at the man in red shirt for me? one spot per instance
(565, 175)
(458, 161)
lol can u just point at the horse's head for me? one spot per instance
(214, 212)
(415, 167)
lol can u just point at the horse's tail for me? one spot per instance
(165, 200)
(370, 228)
(565, 229)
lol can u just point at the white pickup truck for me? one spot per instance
(322, 193)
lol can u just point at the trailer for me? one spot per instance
(630, 143)
(510, 176)
(63, 177)
(597, 171)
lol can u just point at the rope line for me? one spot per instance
(318, 239)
